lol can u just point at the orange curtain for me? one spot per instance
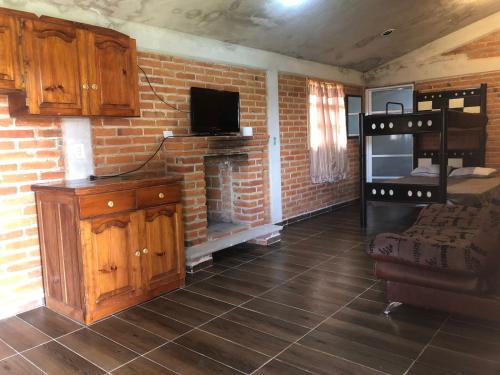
(327, 132)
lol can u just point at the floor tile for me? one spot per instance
(277, 367)
(229, 353)
(17, 365)
(279, 274)
(53, 358)
(142, 366)
(280, 264)
(197, 276)
(318, 306)
(198, 301)
(287, 313)
(322, 363)
(484, 350)
(97, 349)
(21, 335)
(128, 335)
(240, 286)
(375, 357)
(259, 341)
(5, 350)
(158, 324)
(420, 368)
(49, 322)
(182, 313)
(265, 281)
(449, 360)
(222, 294)
(273, 326)
(184, 361)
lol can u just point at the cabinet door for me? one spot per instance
(53, 62)
(112, 260)
(163, 256)
(113, 75)
(10, 70)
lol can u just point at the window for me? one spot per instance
(353, 109)
(389, 156)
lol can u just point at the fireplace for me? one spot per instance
(222, 182)
(225, 191)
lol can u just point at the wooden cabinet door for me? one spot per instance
(53, 65)
(112, 260)
(10, 64)
(162, 258)
(113, 75)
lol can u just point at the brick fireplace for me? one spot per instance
(225, 192)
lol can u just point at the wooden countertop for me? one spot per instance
(86, 186)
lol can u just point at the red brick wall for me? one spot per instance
(30, 151)
(122, 143)
(299, 194)
(487, 46)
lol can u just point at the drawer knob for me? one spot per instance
(161, 195)
(111, 204)
(85, 86)
(94, 86)
(145, 250)
(137, 253)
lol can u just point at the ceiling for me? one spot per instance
(337, 32)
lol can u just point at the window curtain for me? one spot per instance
(327, 132)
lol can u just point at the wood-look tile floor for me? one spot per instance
(308, 305)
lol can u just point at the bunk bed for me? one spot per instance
(447, 125)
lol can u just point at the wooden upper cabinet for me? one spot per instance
(10, 58)
(162, 258)
(113, 75)
(53, 65)
(70, 69)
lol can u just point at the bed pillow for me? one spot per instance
(428, 171)
(478, 172)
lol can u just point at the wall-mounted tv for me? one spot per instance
(214, 111)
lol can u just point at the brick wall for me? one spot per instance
(299, 195)
(122, 143)
(30, 152)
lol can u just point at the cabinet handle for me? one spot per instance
(85, 86)
(137, 253)
(145, 250)
(161, 195)
(111, 204)
(161, 254)
(95, 86)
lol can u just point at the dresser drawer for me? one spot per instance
(158, 195)
(108, 203)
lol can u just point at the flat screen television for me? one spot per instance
(214, 111)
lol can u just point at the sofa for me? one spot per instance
(448, 260)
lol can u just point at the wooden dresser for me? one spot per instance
(109, 244)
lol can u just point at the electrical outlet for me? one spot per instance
(168, 133)
(78, 151)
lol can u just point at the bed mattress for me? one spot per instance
(476, 192)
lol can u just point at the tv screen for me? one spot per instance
(214, 112)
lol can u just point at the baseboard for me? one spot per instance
(308, 215)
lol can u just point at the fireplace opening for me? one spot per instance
(222, 174)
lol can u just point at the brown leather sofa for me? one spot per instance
(448, 260)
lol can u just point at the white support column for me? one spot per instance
(273, 126)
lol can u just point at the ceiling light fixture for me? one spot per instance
(387, 32)
(290, 3)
